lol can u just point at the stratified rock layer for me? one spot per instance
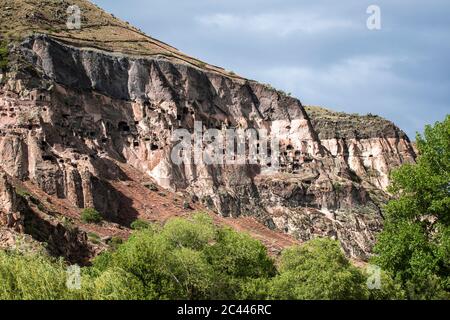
(370, 145)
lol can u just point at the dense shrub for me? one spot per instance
(415, 243)
(169, 262)
(318, 270)
(139, 224)
(3, 55)
(390, 289)
(237, 260)
(90, 215)
(33, 277)
(115, 242)
(116, 284)
(194, 234)
(194, 259)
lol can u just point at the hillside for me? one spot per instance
(87, 119)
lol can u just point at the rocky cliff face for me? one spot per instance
(370, 145)
(22, 214)
(70, 115)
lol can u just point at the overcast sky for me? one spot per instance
(321, 51)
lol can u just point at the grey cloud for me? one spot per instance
(319, 50)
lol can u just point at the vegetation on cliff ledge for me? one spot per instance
(3, 55)
(195, 259)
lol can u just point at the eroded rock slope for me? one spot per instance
(71, 114)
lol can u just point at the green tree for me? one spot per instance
(116, 284)
(144, 257)
(390, 289)
(192, 275)
(194, 234)
(237, 260)
(415, 243)
(317, 270)
(193, 259)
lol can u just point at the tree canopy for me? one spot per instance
(415, 243)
